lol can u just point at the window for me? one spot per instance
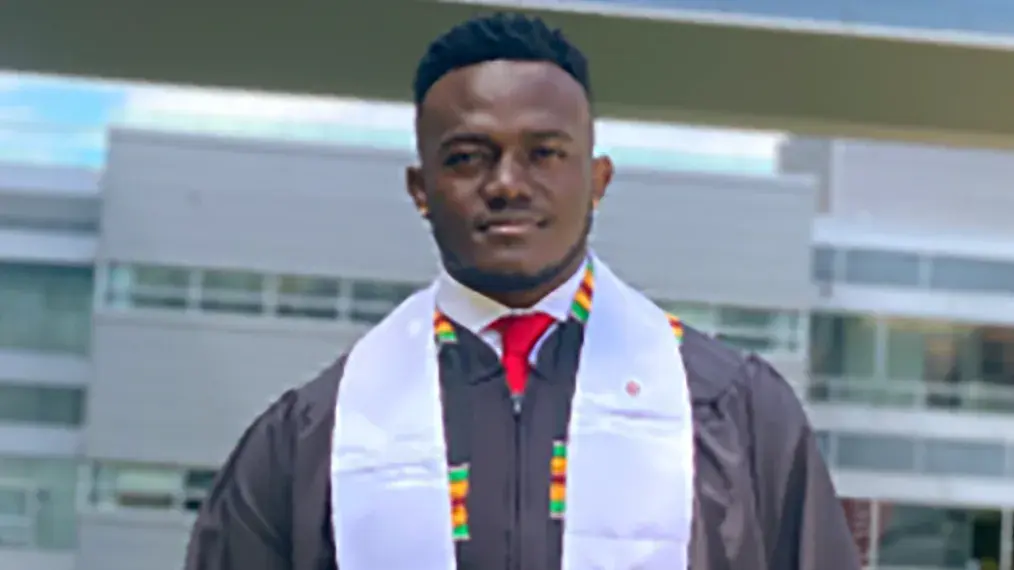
(912, 362)
(149, 487)
(823, 264)
(45, 308)
(197, 486)
(759, 330)
(57, 406)
(698, 315)
(147, 286)
(232, 292)
(916, 455)
(308, 297)
(844, 359)
(843, 345)
(17, 515)
(372, 300)
(137, 487)
(862, 451)
(39, 495)
(957, 365)
(753, 330)
(874, 267)
(957, 274)
(918, 536)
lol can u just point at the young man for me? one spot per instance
(528, 410)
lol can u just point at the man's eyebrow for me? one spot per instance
(486, 140)
(464, 138)
(550, 134)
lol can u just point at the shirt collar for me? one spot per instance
(476, 312)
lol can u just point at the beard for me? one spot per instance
(493, 282)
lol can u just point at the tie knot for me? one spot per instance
(519, 333)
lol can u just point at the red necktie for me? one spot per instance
(519, 333)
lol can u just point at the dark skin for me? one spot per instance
(507, 176)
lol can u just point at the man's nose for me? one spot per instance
(508, 181)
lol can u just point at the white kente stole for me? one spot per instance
(629, 455)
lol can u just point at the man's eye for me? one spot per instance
(542, 153)
(462, 159)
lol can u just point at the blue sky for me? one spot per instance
(53, 120)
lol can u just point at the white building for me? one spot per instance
(147, 314)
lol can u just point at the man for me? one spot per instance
(528, 410)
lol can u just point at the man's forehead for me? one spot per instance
(506, 93)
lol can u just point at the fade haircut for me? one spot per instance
(500, 36)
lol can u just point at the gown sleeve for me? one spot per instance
(245, 522)
(803, 521)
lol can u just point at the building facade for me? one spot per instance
(149, 312)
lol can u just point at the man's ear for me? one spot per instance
(602, 175)
(416, 188)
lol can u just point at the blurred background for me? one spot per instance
(200, 207)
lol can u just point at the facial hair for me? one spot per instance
(498, 283)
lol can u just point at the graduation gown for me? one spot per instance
(763, 496)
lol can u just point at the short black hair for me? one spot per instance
(502, 35)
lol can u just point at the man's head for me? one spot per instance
(505, 137)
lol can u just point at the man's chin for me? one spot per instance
(502, 278)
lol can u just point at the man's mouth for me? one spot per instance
(509, 227)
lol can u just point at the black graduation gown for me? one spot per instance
(764, 498)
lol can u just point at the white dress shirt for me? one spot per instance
(477, 312)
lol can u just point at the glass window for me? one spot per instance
(137, 487)
(747, 318)
(232, 292)
(747, 343)
(198, 484)
(915, 362)
(875, 452)
(917, 536)
(823, 264)
(46, 490)
(309, 297)
(759, 330)
(45, 308)
(978, 459)
(18, 513)
(872, 267)
(951, 361)
(701, 316)
(372, 300)
(926, 350)
(962, 274)
(57, 406)
(147, 286)
(843, 346)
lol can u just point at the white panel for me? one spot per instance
(180, 389)
(928, 490)
(840, 233)
(909, 302)
(20, 440)
(28, 367)
(922, 423)
(924, 187)
(132, 540)
(47, 247)
(11, 559)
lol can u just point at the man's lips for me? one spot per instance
(510, 226)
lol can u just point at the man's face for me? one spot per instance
(507, 178)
